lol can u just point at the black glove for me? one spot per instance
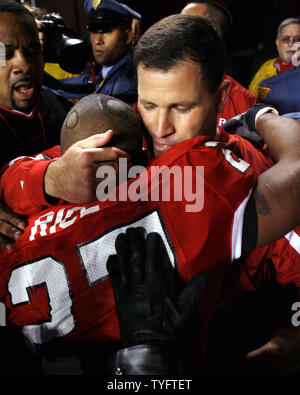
(248, 118)
(147, 310)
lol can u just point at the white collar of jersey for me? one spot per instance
(23, 114)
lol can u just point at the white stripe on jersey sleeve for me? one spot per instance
(237, 229)
(294, 240)
(37, 157)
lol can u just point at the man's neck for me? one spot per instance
(283, 66)
(27, 113)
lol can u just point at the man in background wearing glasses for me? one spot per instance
(288, 34)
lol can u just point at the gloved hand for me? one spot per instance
(244, 124)
(248, 118)
(148, 311)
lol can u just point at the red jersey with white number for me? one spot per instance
(55, 283)
(259, 159)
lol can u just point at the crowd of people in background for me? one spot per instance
(115, 286)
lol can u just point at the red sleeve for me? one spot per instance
(22, 182)
(285, 255)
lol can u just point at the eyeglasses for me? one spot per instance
(288, 39)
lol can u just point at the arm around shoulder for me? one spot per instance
(277, 194)
(22, 182)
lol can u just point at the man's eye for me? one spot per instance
(9, 53)
(287, 39)
(32, 50)
(148, 106)
(183, 108)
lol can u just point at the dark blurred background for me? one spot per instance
(253, 32)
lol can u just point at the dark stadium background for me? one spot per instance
(254, 25)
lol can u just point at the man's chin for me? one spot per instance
(289, 58)
(23, 107)
(26, 100)
(160, 148)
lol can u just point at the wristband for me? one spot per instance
(263, 111)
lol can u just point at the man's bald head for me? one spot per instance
(217, 14)
(97, 113)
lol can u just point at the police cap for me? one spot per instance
(104, 15)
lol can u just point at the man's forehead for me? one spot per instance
(12, 20)
(292, 27)
(182, 67)
(179, 85)
(17, 26)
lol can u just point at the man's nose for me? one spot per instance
(293, 40)
(99, 38)
(21, 64)
(164, 124)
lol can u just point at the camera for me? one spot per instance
(60, 45)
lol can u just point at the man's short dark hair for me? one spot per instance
(14, 7)
(219, 15)
(183, 37)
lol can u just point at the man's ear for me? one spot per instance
(277, 41)
(222, 95)
(129, 35)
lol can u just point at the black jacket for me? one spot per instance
(28, 134)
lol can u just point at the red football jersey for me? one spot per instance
(239, 100)
(285, 256)
(22, 182)
(55, 284)
(259, 159)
